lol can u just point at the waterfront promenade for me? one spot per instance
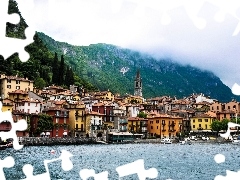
(45, 141)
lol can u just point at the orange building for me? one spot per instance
(163, 125)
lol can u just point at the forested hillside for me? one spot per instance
(104, 66)
(44, 67)
(112, 67)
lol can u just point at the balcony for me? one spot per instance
(61, 115)
(143, 124)
(123, 121)
(80, 130)
(172, 124)
(98, 131)
(123, 130)
(200, 128)
(163, 130)
(144, 131)
(171, 130)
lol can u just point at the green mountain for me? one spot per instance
(105, 67)
(43, 64)
(111, 67)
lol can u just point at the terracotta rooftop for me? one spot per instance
(18, 91)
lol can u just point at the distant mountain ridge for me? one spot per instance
(111, 67)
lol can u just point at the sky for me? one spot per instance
(202, 33)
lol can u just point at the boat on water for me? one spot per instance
(182, 142)
(188, 142)
(236, 141)
(3, 147)
(166, 141)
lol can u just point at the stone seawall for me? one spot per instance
(43, 141)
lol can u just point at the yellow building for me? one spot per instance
(77, 118)
(76, 97)
(202, 122)
(17, 96)
(7, 105)
(104, 95)
(163, 125)
(12, 83)
(94, 124)
(133, 99)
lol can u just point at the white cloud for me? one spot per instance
(138, 25)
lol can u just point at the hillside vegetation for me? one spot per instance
(43, 64)
(111, 67)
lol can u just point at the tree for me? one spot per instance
(39, 83)
(55, 69)
(61, 72)
(44, 123)
(216, 126)
(142, 115)
(69, 77)
(224, 123)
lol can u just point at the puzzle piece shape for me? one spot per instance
(137, 167)
(8, 162)
(230, 175)
(230, 125)
(9, 46)
(21, 125)
(66, 166)
(87, 173)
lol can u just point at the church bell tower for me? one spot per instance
(138, 85)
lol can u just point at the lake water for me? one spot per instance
(173, 161)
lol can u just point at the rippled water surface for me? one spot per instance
(172, 161)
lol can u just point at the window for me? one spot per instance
(17, 87)
(57, 120)
(199, 125)
(8, 80)
(9, 86)
(206, 120)
(157, 127)
(193, 126)
(194, 120)
(151, 127)
(163, 121)
(17, 82)
(76, 126)
(199, 120)
(205, 126)
(76, 118)
(157, 121)
(65, 121)
(28, 104)
(217, 107)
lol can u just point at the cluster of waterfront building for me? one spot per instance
(77, 113)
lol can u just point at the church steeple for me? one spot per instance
(138, 85)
